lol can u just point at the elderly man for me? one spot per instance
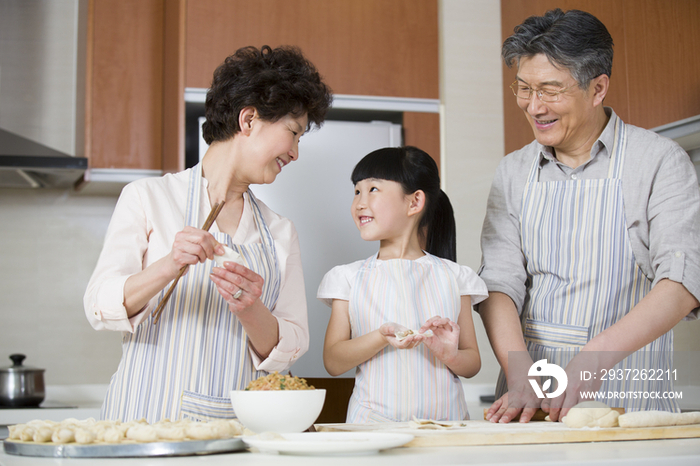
(592, 234)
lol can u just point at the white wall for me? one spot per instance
(471, 92)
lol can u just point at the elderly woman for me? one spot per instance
(222, 326)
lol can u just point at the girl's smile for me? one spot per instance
(380, 210)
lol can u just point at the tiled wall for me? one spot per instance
(49, 244)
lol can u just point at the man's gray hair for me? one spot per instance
(576, 41)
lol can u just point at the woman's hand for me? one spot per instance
(444, 343)
(239, 286)
(192, 246)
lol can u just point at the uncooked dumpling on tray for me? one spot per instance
(90, 431)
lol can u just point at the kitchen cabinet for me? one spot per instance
(654, 79)
(143, 54)
(124, 84)
(361, 47)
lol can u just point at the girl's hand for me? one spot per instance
(389, 330)
(444, 343)
(191, 246)
(239, 286)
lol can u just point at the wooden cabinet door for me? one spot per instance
(663, 61)
(124, 85)
(143, 53)
(360, 47)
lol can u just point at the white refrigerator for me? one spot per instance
(315, 192)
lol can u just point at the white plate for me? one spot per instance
(325, 443)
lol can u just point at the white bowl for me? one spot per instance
(282, 411)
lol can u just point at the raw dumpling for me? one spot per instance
(229, 256)
(113, 435)
(27, 434)
(201, 431)
(142, 433)
(226, 428)
(64, 434)
(84, 435)
(43, 434)
(170, 432)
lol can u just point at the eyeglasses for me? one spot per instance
(524, 92)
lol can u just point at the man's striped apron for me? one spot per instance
(583, 278)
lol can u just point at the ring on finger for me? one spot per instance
(237, 294)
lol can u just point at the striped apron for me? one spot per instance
(186, 365)
(395, 384)
(583, 278)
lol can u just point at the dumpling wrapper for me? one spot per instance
(417, 423)
(229, 256)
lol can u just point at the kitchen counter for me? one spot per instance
(679, 452)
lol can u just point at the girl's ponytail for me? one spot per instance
(441, 230)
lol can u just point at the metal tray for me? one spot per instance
(124, 450)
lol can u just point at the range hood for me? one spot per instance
(27, 164)
(685, 132)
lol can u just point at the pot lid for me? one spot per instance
(17, 365)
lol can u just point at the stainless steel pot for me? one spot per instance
(21, 385)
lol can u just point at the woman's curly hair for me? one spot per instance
(276, 82)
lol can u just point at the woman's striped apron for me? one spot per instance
(395, 385)
(583, 278)
(186, 365)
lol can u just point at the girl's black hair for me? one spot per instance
(415, 170)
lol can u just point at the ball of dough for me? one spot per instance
(591, 414)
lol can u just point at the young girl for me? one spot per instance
(411, 284)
